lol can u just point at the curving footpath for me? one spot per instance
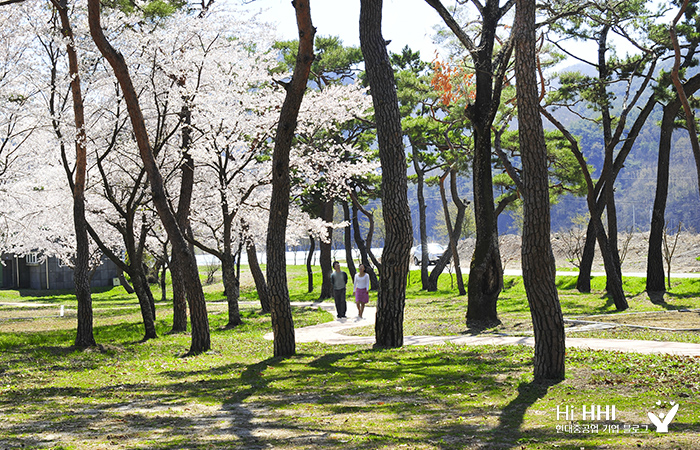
(329, 333)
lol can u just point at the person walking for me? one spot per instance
(361, 289)
(339, 279)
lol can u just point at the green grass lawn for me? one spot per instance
(145, 395)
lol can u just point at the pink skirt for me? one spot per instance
(361, 296)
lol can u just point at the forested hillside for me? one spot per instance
(634, 188)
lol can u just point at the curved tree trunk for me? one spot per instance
(612, 266)
(201, 341)
(451, 249)
(362, 245)
(538, 261)
(454, 234)
(309, 265)
(282, 322)
(347, 236)
(397, 215)
(125, 284)
(259, 277)
(143, 293)
(135, 270)
(612, 270)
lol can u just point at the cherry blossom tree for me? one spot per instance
(282, 322)
(200, 322)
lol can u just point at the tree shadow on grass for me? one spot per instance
(513, 414)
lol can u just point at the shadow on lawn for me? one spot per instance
(311, 400)
(513, 414)
(256, 408)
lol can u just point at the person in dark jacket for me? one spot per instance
(339, 279)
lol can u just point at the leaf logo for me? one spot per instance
(662, 426)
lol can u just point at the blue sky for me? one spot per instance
(405, 22)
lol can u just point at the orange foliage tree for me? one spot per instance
(452, 82)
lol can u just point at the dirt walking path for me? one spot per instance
(329, 333)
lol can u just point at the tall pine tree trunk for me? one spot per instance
(656, 281)
(538, 261)
(397, 215)
(282, 322)
(486, 271)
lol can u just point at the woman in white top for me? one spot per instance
(361, 289)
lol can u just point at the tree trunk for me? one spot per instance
(538, 261)
(459, 221)
(583, 282)
(135, 269)
(183, 220)
(309, 265)
(149, 301)
(233, 289)
(422, 222)
(451, 249)
(81, 272)
(486, 273)
(282, 322)
(163, 284)
(347, 235)
(179, 297)
(200, 322)
(655, 260)
(259, 277)
(394, 188)
(143, 293)
(612, 268)
(125, 284)
(450, 253)
(362, 245)
(325, 254)
(454, 234)
(612, 240)
(656, 279)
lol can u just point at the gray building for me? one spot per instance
(27, 272)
